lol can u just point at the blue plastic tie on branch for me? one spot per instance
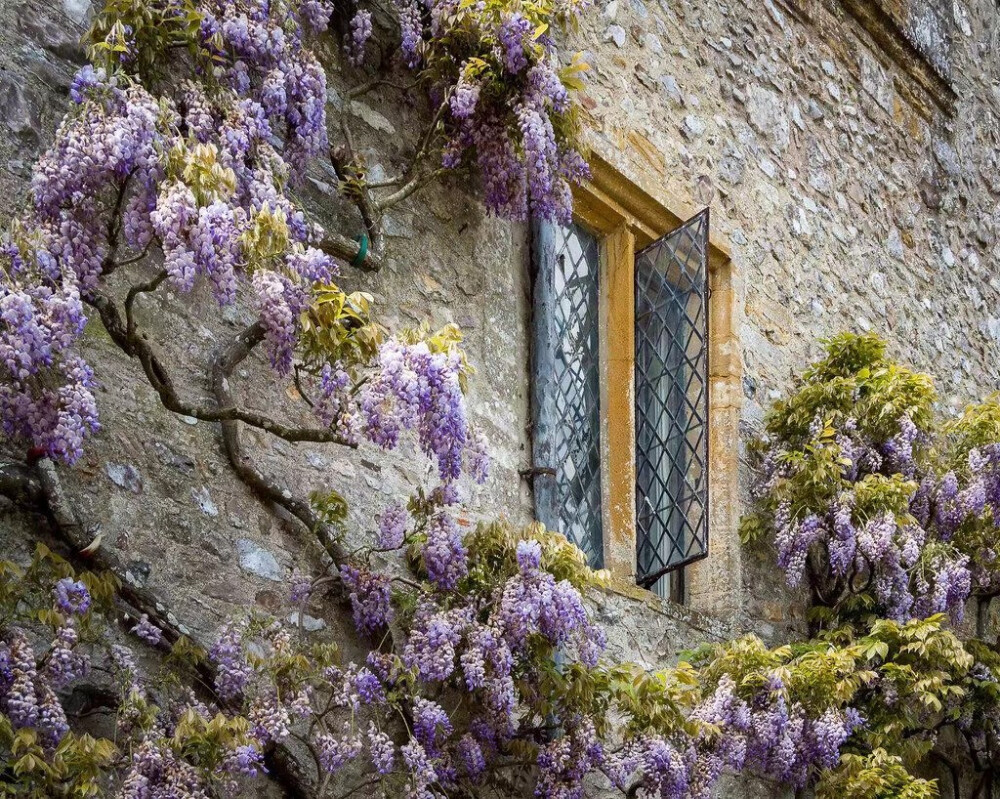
(362, 241)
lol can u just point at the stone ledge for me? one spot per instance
(714, 627)
(887, 32)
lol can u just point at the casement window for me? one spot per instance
(620, 393)
(671, 403)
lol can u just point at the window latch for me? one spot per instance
(536, 471)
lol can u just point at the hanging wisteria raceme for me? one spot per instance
(418, 387)
(508, 101)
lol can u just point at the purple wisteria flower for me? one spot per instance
(72, 596)
(417, 389)
(148, 631)
(381, 749)
(361, 31)
(247, 760)
(21, 701)
(371, 598)
(64, 663)
(300, 589)
(232, 670)
(430, 724)
(431, 648)
(445, 555)
(392, 524)
(335, 753)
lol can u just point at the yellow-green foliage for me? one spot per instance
(338, 326)
(854, 380)
(157, 29)
(493, 555)
(877, 775)
(466, 41)
(77, 767)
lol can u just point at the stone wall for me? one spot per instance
(850, 198)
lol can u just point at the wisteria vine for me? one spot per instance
(177, 166)
(460, 690)
(887, 511)
(198, 158)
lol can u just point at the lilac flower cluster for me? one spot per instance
(72, 596)
(28, 693)
(361, 31)
(335, 406)
(444, 553)
(148, 631)
(232, 670)
(392, 524)
(533, 603)
(65, 664)
(762, 734)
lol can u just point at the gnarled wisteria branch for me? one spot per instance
(413, 185)
(225, 362)
(348, 250)
(136, 344)
(39, 488)
(341, 159)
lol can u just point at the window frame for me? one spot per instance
(626, 218)
(548, 244)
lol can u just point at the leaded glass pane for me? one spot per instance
(671, 402)
(567, 386)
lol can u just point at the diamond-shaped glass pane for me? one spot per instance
(671, 401)
(567, 394)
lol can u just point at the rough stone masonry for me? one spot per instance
(852, 171)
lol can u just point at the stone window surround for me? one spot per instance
(627, 218)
